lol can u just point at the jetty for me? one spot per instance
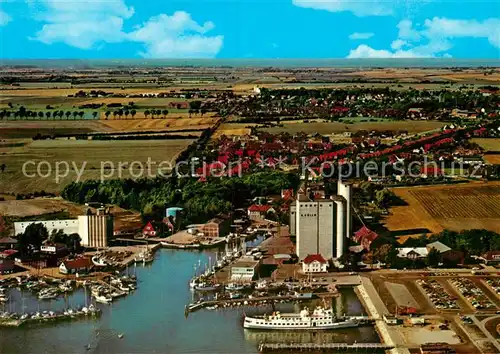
(323, 347)
(241, 301)
(45, 317)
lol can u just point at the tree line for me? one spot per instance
(200, 200)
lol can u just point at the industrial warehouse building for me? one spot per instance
(321, 225)
(93, 229)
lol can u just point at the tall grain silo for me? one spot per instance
(341, 226)
(345, 190)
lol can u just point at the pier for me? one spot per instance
(324, 347)
(247, 301)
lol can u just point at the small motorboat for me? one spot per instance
(120, 335)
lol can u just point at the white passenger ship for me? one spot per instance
(319, 319)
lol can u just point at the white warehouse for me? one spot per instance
(93, 229)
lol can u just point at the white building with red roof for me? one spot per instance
(256, 211)
(314, 263)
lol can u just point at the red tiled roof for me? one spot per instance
(259, 208)
(430, 170)
(149, 227)
(492, 256)
(365, 234)
(314, 257)
(7, 253)
(78, 263)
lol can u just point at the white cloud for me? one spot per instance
(83, 26)
(406, 31)
(4, 18)
(177, 36)
(398, 44)
(450, 28)
(364, 51)
(102, 21)
(432, 39)
(361, 35)
(357, 7)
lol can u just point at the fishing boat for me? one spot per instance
(103, 299)
(144, 257)
(207, 287)
(234, 287)
(47, 294)
(261, 285)
(98, 261)
(320, 319)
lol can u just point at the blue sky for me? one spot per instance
(249, 28)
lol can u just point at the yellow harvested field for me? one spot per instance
(39, 206)
(475, 205)
(233, 129)
(488, 144)
(159, 124)
(492, 158)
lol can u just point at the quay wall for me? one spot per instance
(376, 309)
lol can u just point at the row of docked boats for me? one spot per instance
(3, 295)
(51, 315)
(117, 287)
(146, 256)
(204, 280)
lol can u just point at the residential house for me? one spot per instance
(416, 113)
(314, 263)
(149, 230)
(438, 246)
(179, 105)
(218, 226)
(7, 243)
(365, 237)
(430, 171)
(52, 252)
(7, 261)
(462, 113)
(491, 257)
(412, 252)
(256, 211)
(74, 266)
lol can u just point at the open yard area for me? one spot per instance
(85, 157)
(492, 145)
(455, 207)
(336, 127)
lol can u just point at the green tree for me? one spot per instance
(32, 238)
(73, 242)
(433, 258)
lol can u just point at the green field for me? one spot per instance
(337, 127)
(133, 154)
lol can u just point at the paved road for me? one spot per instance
(488, 335)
